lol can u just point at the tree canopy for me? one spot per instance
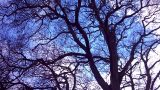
(79, 44)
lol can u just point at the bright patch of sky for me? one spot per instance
(4, 1)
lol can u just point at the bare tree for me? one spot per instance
(109, 42)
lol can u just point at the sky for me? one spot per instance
(4, 1)
(144, 14)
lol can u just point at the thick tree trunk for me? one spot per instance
(114, 69)
(112, 46)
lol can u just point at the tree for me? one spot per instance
(92, 39)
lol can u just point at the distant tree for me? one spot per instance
(84, 44)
